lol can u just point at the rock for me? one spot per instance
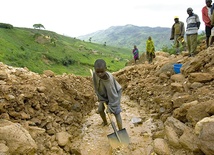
(62, 138)
(177, 87)
(18, 140)
(35, 131)
(205, 132)
(189, 140)
(161, 147)
(178, 78)
(181, 112)
(179, 99)
(200, 77)
(49, 73)
(196, 85)
(177, 126)
(3, 75)
(41, 89)
(198, 112)
(4, 150)
(172, 137)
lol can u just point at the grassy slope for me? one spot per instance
(18, 48)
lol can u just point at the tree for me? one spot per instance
(38, 26)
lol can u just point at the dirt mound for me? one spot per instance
(59, 111)
(53, 103)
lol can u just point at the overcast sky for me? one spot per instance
(79, 17)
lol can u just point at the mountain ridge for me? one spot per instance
(129, 35)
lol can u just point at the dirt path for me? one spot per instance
(94, 137)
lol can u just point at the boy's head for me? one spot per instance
(100, 68)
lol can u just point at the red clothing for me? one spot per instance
(205, 16)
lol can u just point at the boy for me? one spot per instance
(108, 90)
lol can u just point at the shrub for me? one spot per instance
(6, 26)
(38, 26)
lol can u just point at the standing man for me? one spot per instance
(206, 16)
(177, 34)
(193, 24)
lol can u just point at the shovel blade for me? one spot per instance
(123, 136)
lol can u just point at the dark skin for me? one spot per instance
(209, 4)
(176, 20)
(101, 73)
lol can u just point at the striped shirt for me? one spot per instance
(193, 24)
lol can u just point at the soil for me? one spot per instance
(94, 134)
(67, 103)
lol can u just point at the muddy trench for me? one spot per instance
(136, 122)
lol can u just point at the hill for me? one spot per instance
(40, 50)
(129, 35)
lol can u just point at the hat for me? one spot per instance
(189, 9)
(176, 17)
(208, 1)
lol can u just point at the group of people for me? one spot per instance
(178, 31)
(150, 51)
(109, 91)
(193, 25)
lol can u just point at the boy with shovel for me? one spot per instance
(108, 91)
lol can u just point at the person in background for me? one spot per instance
(212, 24)
(193, 24)
(177, 34)
(206, 16)
(108, 90)
(135, 52)
(150, 49)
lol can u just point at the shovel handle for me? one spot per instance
(112, 123)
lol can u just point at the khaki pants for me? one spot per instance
(192, 43)
(179, 42)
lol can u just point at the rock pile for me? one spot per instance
(183, 102)
(48, 107)
(43, 114)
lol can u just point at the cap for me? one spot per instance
(176, 17)
(189, 9)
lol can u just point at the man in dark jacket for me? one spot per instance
(177, 34)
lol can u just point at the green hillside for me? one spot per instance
(40, 50)
(129, 35)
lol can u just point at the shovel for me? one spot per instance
(118, 138)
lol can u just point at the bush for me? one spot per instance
(67, 61)
(6, 26)
(168, 50)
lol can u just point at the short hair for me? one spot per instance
(189, 9)
(100, 63)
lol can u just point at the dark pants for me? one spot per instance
(150, 56)
(118, 118)
(208, 34)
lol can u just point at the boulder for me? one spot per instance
(18, 139)
(205, 132)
